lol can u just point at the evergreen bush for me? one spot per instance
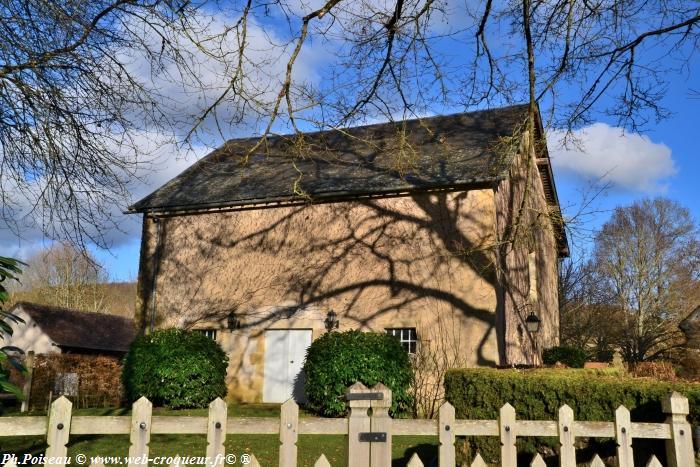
(573, 357)
(175, 368)
(594, 395)
(337, 360)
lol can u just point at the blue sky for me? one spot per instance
(661, 162)
(677, 133)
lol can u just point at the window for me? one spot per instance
(210, 333)
(407, 337)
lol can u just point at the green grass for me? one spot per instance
(265, 447)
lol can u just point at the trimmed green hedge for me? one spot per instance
(338, 359)
(537, 395)
(575, 357)
(175, 368)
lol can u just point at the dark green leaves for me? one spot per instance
(175, 368)
(339, 359)
(9, 269)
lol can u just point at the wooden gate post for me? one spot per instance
(506, 428)
(216, 432)
(58, 432)
(623, 436)
(380, 451)
(141, 414)
(358, 422)
(567, 452)
(679, 449)
(289, 433)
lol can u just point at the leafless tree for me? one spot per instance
(409, 57)
(63, 275)
(645, 262)
(585, 320)
(75, 91)
(81, 81)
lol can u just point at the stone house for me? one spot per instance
(399, 227)
(69, 352)
(55, 330)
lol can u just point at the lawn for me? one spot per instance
(265, 447)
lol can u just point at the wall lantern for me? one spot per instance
(533, 322)
(232, 321)
(331, 321)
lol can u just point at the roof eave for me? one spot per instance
(329, 197)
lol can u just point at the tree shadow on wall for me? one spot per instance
(401, 254)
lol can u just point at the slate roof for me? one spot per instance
(80, 329)
(430, 153)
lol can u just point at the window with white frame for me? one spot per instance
(406, 336)
(210, 333)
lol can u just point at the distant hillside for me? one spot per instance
(116, 298)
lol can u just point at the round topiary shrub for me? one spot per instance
(175, 368)
(574, 357)
(338, 359)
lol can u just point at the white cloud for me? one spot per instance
(203, 71)
(629, 161)
(165, 160)
(184, 98)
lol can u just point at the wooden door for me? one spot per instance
(285, 351)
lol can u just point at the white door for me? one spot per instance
(285, 350)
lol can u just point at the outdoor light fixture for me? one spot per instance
(232, 321)
(533, 322)
(332, 321)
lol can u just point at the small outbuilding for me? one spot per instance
(50, 329)
(69, 352)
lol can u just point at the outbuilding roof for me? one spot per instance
(80, 329)
(435, 152)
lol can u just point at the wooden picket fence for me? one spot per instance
(369, 436)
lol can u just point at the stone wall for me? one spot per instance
(525, 231)
(423, 261)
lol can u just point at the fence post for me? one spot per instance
(478, 461)
(27, 388)
(679, 449)
(506, 422)
(58, 432)
(380, 453)
(623, 436)
(216, 432)
(358, 422)
(446, 435)
(289, 433)
(322, 462)
(141, 412)
(537, 461)
(414, 461)
(567, 451)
